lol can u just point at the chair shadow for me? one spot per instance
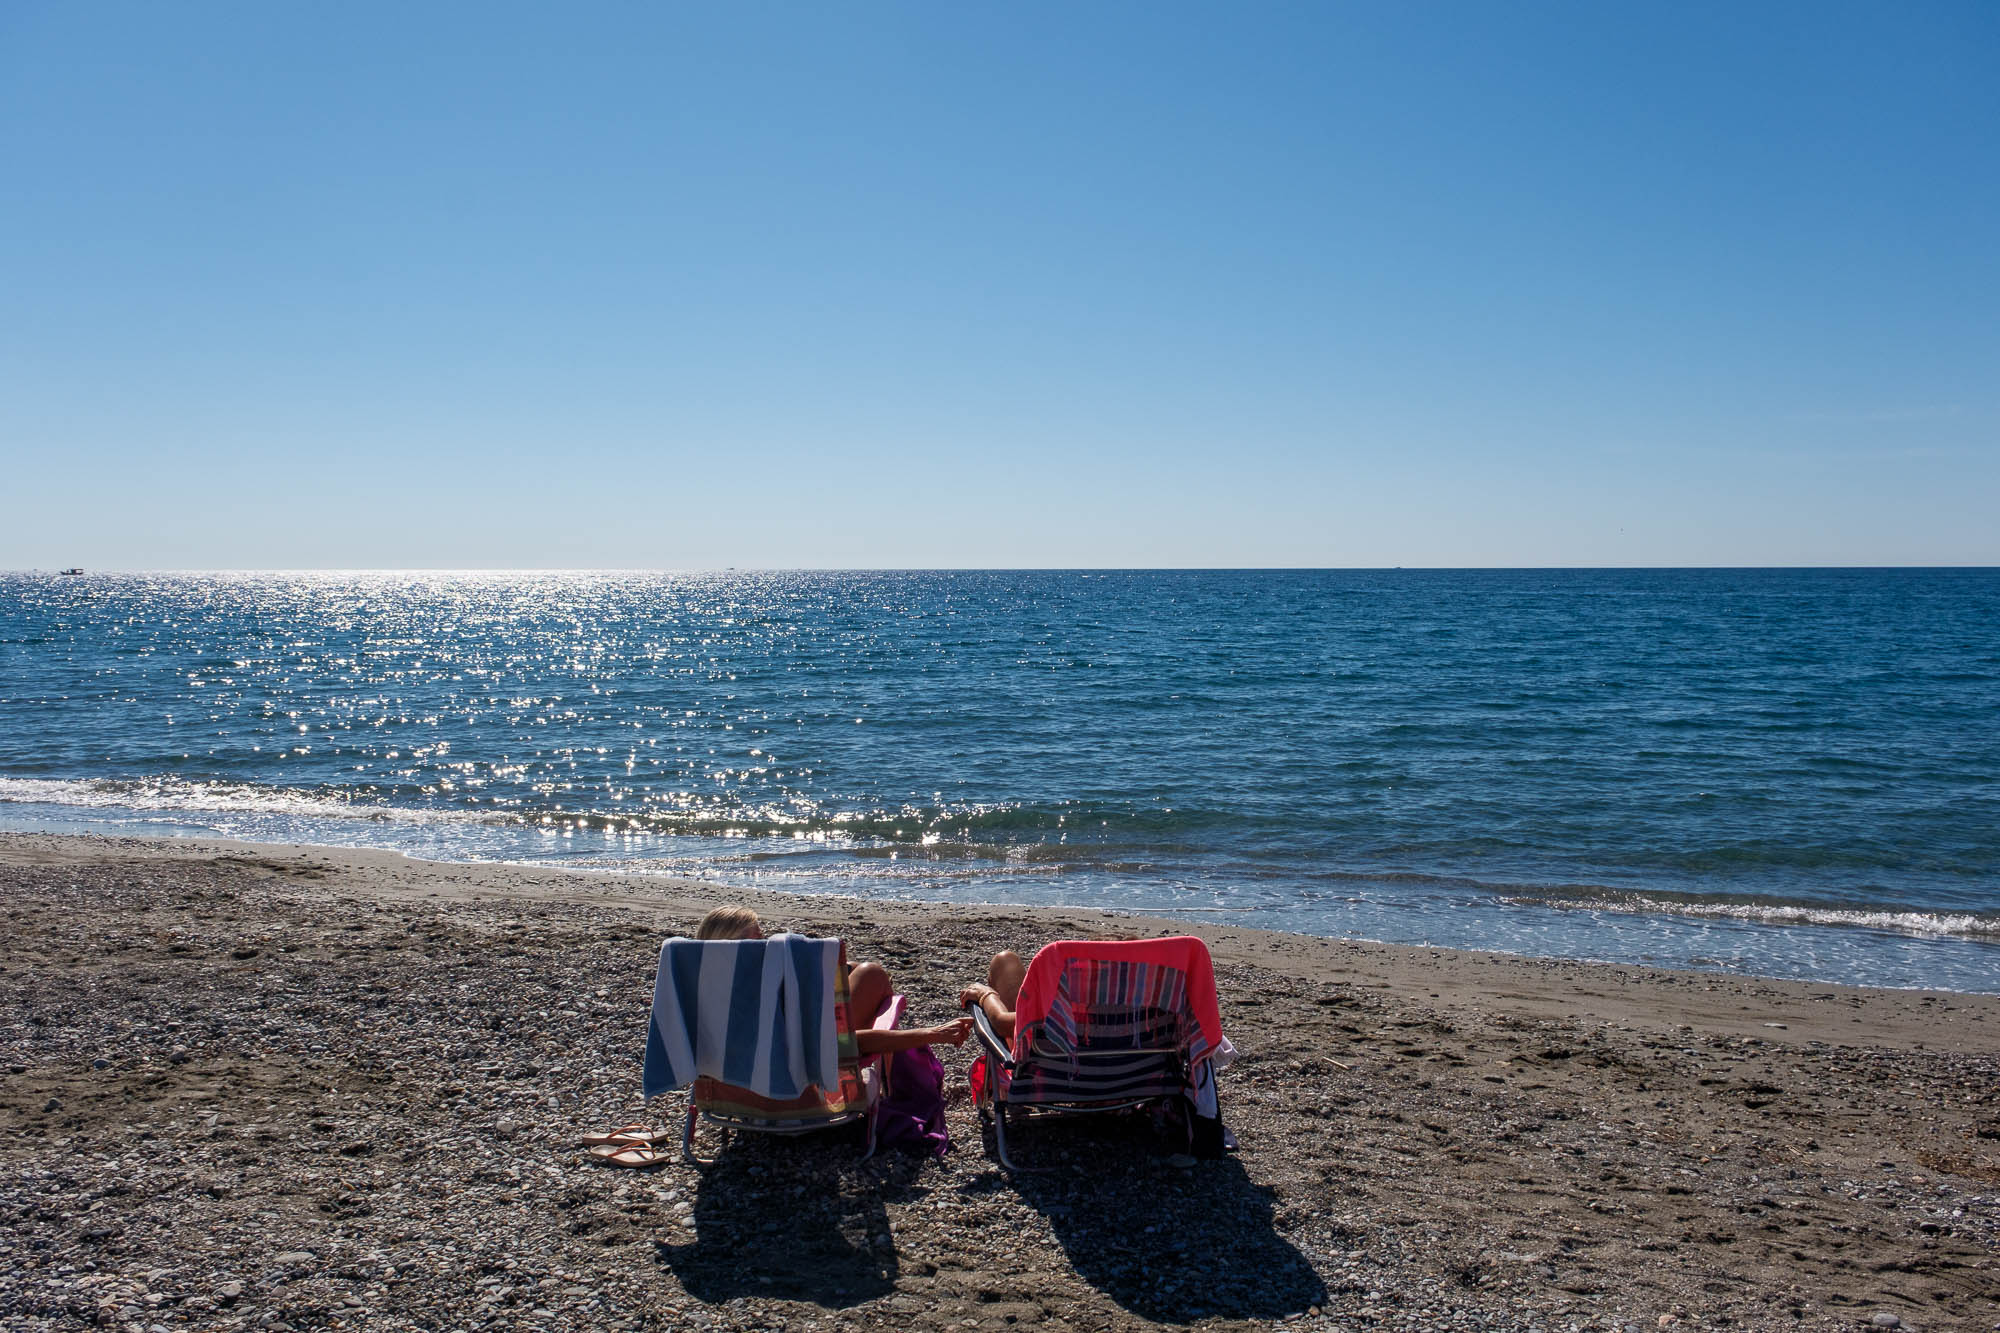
(1167, 1243)
(794, 1220)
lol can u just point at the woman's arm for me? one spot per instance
(879, 1041)
(996, 1008)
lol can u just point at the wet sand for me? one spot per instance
(314, 1088)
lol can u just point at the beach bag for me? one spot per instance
(911, 1116)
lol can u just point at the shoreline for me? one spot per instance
(1813, 942)
(1460, 1139)
(1385, 961)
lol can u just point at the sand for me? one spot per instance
(270, 1087)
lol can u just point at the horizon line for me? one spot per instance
(956, 569)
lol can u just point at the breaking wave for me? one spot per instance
(1899, 920)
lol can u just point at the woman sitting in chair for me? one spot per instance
(868, 989)
(999, 993)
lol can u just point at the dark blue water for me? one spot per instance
(1785, 772)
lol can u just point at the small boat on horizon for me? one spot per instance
(73, 572)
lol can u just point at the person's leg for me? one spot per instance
(1005, 975)
(868, 990)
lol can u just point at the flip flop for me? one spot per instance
(631, 1154)
(627, 1134)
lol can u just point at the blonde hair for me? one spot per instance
(729, 923)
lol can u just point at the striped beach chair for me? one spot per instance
(760, 1032)
(1105, 1026)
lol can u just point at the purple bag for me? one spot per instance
(911, 1117)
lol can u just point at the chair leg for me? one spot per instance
(687, 1139)
(1000, 1135)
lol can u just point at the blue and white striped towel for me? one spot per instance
(756, 1014)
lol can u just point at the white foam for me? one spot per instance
(1907, 922)
(181, 796)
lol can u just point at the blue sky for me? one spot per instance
(954, 285)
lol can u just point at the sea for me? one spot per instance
(1775, 772)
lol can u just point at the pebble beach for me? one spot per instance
(286, 1087)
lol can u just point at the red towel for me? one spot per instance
(1071, 976)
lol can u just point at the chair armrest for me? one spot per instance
(996, 1047)
(891, 1016)
(888, 1020)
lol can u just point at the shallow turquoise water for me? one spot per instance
(1785, 772)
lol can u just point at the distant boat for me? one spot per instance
(72, 572)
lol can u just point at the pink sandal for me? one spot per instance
(629, 1154)
(628, 1136)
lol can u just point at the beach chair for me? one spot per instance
(1107, 1026)
(761, 1034)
